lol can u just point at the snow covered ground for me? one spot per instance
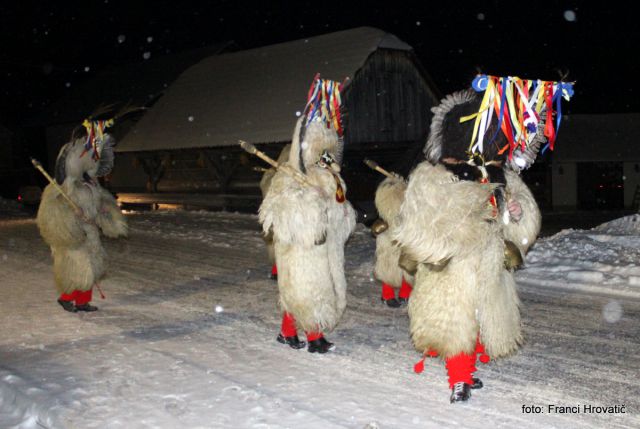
(186, 338)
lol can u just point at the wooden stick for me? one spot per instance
(78, 211)
(298, 176)
(37, 165)
(374, 166)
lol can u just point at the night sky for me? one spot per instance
(48, 47)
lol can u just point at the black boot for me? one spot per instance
(403, 301)
(86, 307)
(320, 345)
(477, 383)
(68, 305)
(392, 302)
(273, 277)
(293, 342)
(461, 392)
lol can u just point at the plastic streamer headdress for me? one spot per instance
(520, 105)
(323, 104)
(95, 136)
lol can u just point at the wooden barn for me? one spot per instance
(184, 149)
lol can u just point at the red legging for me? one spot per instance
(405, 290)
(80, 297)
(461, 368)
(389, 293)
(288, 328)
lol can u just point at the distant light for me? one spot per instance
(219, 309)
(122, 38)
(418, 23)
(190, 118)
(19, 197)
(146, 55)
(570, 15)
(480, 16)
(298, 113)
(68, 84)
(87, 68)
(149, 39)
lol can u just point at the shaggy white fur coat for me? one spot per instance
(461, 288)
(265, 184)
(78, 255)
(310, 229)
(388, 199)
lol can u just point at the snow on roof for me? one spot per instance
(253, 95)
(605, 137)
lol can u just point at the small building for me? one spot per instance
(596, 163)
(186, 146)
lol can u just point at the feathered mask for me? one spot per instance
(95, 137)
(513, 119)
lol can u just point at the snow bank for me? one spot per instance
(605, 259)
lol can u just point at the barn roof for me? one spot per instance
(138, 83)
(251, 95)
(603, 137)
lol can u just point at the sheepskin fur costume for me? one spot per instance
(74, 238)
(462, 290)
(388, 199)
(310, 228)
(461, 287)
(265, 183)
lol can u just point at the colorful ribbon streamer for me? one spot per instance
(323, 103)
(95, 136)
(518, 104)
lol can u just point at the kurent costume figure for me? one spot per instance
(265, 183)
(468, 218)
(388, 199)
(72, 230)
(310, 223)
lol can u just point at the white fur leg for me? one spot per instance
(386, 268)
(442, 310)
(499, 315)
